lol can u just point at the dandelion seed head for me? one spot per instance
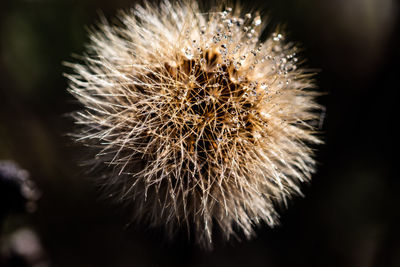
(196, 120)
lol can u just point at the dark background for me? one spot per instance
(350, 214)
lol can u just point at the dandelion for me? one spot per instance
(194, 119)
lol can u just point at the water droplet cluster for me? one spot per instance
(223, 94)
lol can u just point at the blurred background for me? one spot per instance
(350, 214)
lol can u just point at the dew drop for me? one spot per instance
(257, 21)
(264, 86)
(216, 39)
(228, 22)
(237, 65)
(188, 53)
(223, 14)
(277, 37)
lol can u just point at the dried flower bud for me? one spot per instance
(197, 120)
